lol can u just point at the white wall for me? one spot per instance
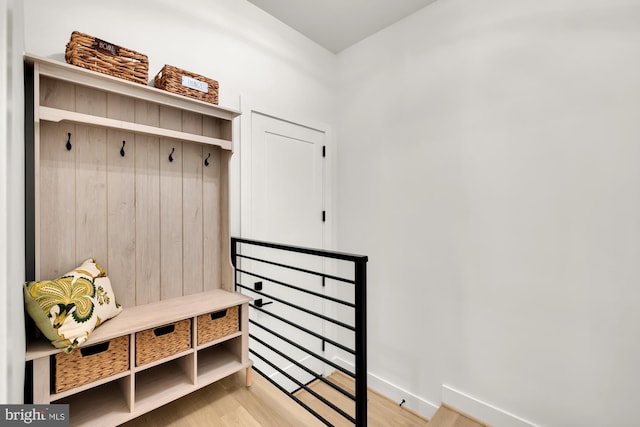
(488, 165)
(254, 56)
(11, 203)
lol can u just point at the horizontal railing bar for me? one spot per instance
(307, 384)
(297, 288)
(303, 270)
(298, 401)
(306, 350)
(304, 368)
(304, 386)
(306, 310)
(303, 250)
(303, 329)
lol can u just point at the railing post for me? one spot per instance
(234, 251)
(361, 341)
(234, 262)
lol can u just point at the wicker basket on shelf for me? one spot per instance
(182, 82)
(98, 55)
(213, 326)
(88, 364)
(164, 341)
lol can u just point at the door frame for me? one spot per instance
(248, 107)
(243, 204)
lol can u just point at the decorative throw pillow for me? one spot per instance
(67, 309)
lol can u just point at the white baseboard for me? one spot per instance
(411, 401)
(481, 410)
(450, 396)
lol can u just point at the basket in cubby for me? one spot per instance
(92, 363)
(176, 80)
(164, 341)
(213, 326)
(98, 55)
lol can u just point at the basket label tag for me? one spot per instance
(195, 84)
(106, 47)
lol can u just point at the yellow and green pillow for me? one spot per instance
(69, 308)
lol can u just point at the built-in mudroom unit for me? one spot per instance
(128, 191)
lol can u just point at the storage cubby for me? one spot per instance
(138, 179)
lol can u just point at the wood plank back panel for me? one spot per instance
(170, 207)
(91, 179)
(192, 218)
(170, 219)
(58, 94)
(57, 216)
(121, 216)
(211, 219)
(147, 219)
(147, 152)
(155, 225)
(91, 194)
(121, 209)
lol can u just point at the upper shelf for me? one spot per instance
(82, 76)
(56, 115)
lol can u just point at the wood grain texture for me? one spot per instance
(57, 94)
(147, 181)
(226, 269)
(121, 217)
(91, 194)
(447, 416)
(211, 127)
(211, 219)
(91, 101)
(57, 191)
(382, 412)
(192, 259)
(229, 403)
(170, 220)
(121, 107)
(170, 207)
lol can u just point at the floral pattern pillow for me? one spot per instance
(69, 308)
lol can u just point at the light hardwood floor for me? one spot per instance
(229, 403)
(382, 411)
(450, 417)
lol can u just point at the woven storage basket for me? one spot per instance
(104, 57)
(213, 326)
(177, 80)
(157, 343)
(88, 364)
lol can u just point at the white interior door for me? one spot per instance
(287, 176)
(287, 182)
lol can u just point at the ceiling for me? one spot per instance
(338, 24)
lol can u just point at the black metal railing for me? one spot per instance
(313, 324)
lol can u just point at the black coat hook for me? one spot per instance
(122, 149)
(206, 161)
(171, 154)
(68, 142)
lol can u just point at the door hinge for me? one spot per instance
(324, 151)
(324, 216)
